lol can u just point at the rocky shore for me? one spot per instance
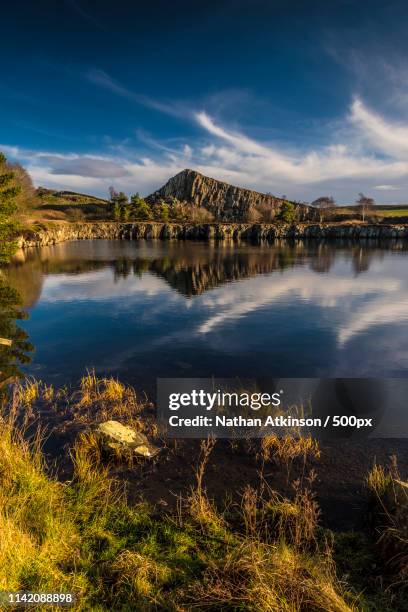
(209, 231)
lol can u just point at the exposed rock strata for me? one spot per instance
(225, 201)
(219, 231)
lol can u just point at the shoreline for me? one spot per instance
(249, 232)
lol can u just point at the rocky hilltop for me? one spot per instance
(226, 202)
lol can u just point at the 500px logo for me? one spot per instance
(207, 400)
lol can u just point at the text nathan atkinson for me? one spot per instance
(240, 421)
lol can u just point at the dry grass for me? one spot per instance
(258, 577)
(28, 392)
(276, 564)
(378, 480)
(138, 575)
(390, 496)
(96, 400)
(273, 567)
(266, 554)
(36, 536)
(200, 508)
(287, 450)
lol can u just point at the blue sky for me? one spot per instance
(297, 98)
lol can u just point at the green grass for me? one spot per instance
(393, 212)
(385, 212)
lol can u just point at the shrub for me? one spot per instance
(287, 212)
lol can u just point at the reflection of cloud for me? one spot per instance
(376, 312)
(326, 292)
(101, 285)
(386, 187)
(346, 305)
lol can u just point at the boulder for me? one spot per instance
(118, 438)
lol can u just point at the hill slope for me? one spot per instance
(225, 201)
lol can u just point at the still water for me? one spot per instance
(139, 310)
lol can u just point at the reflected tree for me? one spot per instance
(14, 356)
(14, 344)
(323, 260)
(361, 259)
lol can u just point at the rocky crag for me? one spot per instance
(226, 202)
(209, 231)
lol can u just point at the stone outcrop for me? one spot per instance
(117, 438)
(223, 200)
(207, 231)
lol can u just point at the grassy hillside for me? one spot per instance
(52, 205)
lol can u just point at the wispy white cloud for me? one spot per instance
(103, 79)
(365, 147)
(384, 136)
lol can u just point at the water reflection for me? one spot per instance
(14, 356)
(147, 309)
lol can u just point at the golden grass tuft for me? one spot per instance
(138, 574)
(28, 392)
(286, 449)
(378, 480)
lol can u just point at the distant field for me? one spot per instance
(385, 211)
(393, 212)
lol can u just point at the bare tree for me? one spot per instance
(266, 211)
(325, 206)
(112, 193)
(252, 215)
(365, 205)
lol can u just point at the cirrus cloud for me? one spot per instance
(362, 148)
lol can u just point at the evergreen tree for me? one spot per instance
(8, 226)
(161, 211)
(118, 205)
(141, 210)
(287, 212)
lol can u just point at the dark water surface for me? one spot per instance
(139, 310)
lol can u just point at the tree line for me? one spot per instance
(135, 208)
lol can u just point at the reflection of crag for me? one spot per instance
(190, 270)
(197, 277)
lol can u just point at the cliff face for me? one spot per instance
(225, 201)
(216, 231)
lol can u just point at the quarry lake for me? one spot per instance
(143, 309)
